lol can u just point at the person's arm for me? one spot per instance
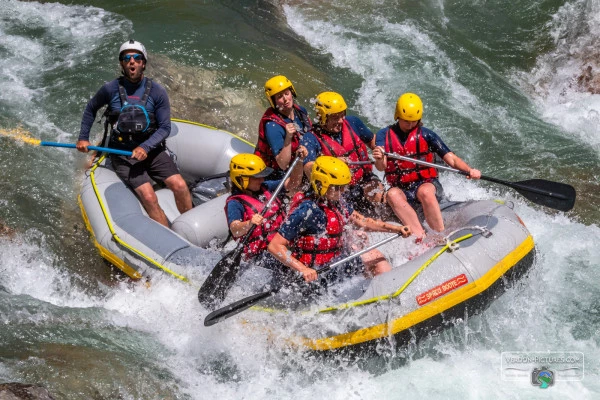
(457, 163)
(438, 146)
(379, 150)
(295, 179)
(296, 223)
(285, 155)
(279, 249)
(372, 144)
(377, 225)
(240, 228)
(313, 147)
(280, 142)
(162, 112)
(380, 158)
(100, 99)
(235, 219)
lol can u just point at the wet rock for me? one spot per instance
(20, 391)
(6, 231)
(197, 95)
(589, 80)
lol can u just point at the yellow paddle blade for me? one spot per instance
(20, 134)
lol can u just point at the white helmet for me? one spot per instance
(133, 45)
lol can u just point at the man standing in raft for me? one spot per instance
(139, 115)
(411, 183)
(313, 234)
(281, 126)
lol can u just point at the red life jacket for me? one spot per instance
(398, 172)
(262, 234)
(263, 150)
(317, 250)
(351, 147)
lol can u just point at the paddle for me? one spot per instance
(247, 302)
(559, 196)
(25, 136)
(360, 162)
(221, 278)
(96, 148)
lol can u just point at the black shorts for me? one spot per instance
(158, 166)
(410, 190)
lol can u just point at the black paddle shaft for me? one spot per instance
(247, 302)
(556, 195)
(223, 275)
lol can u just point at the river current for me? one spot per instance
(511, 87)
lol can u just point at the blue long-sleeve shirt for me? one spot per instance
(158, 103)
(235, 210)
(275, 133)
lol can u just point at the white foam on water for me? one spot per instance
(231, 361)
(28, 268)
(383, 58)
(44, 39)
(552, 83)
(467, 357)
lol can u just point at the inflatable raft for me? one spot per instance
(125, 235)
(486, 247)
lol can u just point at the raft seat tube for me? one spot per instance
(116, 236)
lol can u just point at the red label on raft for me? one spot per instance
(442, 289)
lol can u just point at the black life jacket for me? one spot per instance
(132, 124)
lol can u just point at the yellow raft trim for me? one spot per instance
(104, 252)
(423, 313)
(127, 269)
(111, 257)
(213, 128)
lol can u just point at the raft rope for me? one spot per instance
(449, 245)
(452, 245)
(403, 287)
(116, 236)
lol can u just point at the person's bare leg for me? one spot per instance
(404, 211)
(431, 207)
(150, 202)
(183, 199)
(375, 263)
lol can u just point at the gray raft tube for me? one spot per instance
(202, 152)
(199, 151)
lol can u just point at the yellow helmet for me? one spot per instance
(245, 165)
(278, 84)
(409, 107)
(327, 171)
(329, 103)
